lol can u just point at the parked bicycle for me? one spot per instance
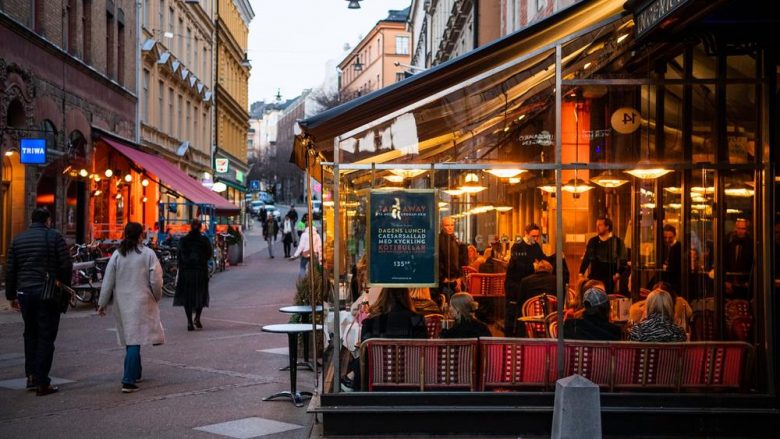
(170, 266)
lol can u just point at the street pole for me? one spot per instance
(138, 18)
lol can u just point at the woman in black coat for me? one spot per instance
(192, 286)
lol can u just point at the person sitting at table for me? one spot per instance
(463, 310)
(473, 257)
(541, 281)
(423, 304)
(658, 325)
(575, 307)
(594, 324)
(682, 309)
(392, 316)
(489, 265)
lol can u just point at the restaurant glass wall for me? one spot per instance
(666, 149)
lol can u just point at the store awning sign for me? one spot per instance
(221, 165)
(654, 13)
(402, 238)
(32, 151)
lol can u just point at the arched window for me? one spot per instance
(15, 117)
(49, 132)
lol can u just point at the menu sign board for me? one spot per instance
(403, 238)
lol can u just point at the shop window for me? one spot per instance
(704, 62)
(741, 124)
(704, 114)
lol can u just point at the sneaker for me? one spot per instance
(140, 379)
(129, 388)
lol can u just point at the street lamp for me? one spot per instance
(357, 66)
(353, 4)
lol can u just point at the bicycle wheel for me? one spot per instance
(169, 282)
(212, 267)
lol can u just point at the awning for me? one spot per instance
(173, 177)
(232, 184)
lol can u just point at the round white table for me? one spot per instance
(305, 312)
(292, 330)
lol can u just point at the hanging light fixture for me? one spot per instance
(514, 180)
(83, 173)
(108, 173)
(503, 209)
(453, 191)
(128, 177)
(644, 171)
(549, 188)
(743, 191)
(471, 184)
(505, 172)
(576, 186)
(353, 4)
(118, 195)
(144, 182)
(609, 180)
(408, 173)
(394, 178)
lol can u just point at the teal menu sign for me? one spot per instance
(402, 238)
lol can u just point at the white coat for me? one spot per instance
(132, 286)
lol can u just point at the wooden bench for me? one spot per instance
(510, 363)
(419, 365)
(524, 364)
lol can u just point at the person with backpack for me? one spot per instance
(192, 284)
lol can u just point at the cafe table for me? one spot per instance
(305, 312)
(292, 330)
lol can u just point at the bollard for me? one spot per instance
(577, 411)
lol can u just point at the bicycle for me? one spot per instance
(170, 268)
(86, 282)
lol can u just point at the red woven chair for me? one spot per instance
(739, 319)
(512, 363)
(468, 269)
(703, 325)
(419, 365)
(486, 284)
(433, 325)
(534, 308)
(551, 322)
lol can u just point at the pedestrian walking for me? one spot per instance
(300, 226)
(287, 235)
(305, 250)
(192, 284)
(34, 255)
(270, 231)
(132, 286)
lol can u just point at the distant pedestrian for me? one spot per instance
(292, 213)
(132, 286)
(306, 251)
(33, 254)
(287, 235)
(192, 286)
(270, 231)
(300, 226)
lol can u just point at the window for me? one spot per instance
(400, 76)
(160, 105)
(146, 12)
(187, 126)
(38, 16)
(109, 44)
(204, 73)
(171, 97)
(145, 97)
(171, 20)
(86, 6)
(195, 57)
(379, 46)
(120, 47)
(402, 45)
(161, 15)
(73, 13)
(206, 140)
(179, 107)
(188, 54)
(194, 131)
(179, 38)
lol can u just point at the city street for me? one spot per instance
(200, 384)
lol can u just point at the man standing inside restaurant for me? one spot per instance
(672, 264)
(605, 256)
(739, 262)
(34, 253)
(449, 258)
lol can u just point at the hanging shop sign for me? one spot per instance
(653, 13)
(626, 120)
(32, 151)
(221, 165)
(403, 239)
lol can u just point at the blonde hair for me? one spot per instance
(463, 306)
(420, 293)
(660, 301)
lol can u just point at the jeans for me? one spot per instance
(133, 367)
(304, 264)
(41, 323)
(270, 247)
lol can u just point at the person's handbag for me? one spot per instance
(53, 292)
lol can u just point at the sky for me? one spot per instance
(290, 41)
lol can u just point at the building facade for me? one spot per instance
(232, 97)
(379, 59)
(67, 75)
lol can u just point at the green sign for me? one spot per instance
(239, 176)
(402, 238)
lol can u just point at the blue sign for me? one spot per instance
(32, 151)
(254, 185)
(402, 238)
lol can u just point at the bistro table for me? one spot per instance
(305, 312)
(292, 330)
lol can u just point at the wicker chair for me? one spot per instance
(538, 307)
(486, 284)
(433, 323)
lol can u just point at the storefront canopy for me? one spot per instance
(176, 179)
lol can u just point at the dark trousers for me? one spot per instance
(41, 323)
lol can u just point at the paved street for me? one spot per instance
(193, 383)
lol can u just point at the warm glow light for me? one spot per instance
(97, 192)
(521, 117)
(587, 64)
(351, 212)
(576, 186)
(621, 38)
(734, 211)
(443, 204)
(83, 172)
(739, 192)
(408, 173)
(9, 153)
(444, 208)
(219, 187)
(503, 208)
(144, 200)
(144, 182)
(703, 190)
(514, 180)
(649, 174)
(505, 173)
(118, 195)
(673, 190)
(97, 178)
(550, 189)
(699, 206)
(698, 198)
(394, 178)
(328, 203)
(453, 192)
(609, 180)
(128, 178)
(471, 184)
(675, 206)
(108, 173)
(648, 206)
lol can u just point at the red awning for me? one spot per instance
(173, 177)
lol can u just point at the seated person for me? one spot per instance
(594, 324)
(421, 299)
(658, 325)
(463, 309)
(541, 281)
(575, 307)
(682, 310)
(392, 316)
(489, 265)
(473, 257)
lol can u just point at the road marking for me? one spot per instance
(281, 351)
(21, 383)
(248, 428)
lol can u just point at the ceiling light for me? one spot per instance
(503, 208)
(648, 173)
(454, 192)
(673, 190)
(108, 173)
(408, 173)
(514, 180)
(734, 211)
(9, 153)
(506, 172)
(576, 186)
(549, 188)
(83, 172)
(97, 178)
(621, 38)
(587, 64)
(609, 180)
(674, 206)
(144, 200)
(394, 178)
(128, 178)
(471, 184)
(97, 192)
(144, 182)
(521, 117)
(703, 190)
(744, 192)
(118, 195)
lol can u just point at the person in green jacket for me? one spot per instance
(300, 226)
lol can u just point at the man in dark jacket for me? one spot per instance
(542, 281)
(605, 256)
(449, 258)
(523, 256)
(34, 253)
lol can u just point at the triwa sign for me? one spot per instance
(402, 238)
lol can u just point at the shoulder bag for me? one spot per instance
(53, 292)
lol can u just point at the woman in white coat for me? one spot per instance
(132, 286)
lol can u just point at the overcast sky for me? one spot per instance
(291, 40)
